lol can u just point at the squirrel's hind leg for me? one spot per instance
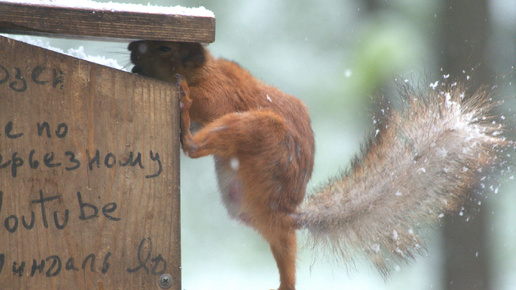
(283, 246)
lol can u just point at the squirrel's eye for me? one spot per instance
(164, 48)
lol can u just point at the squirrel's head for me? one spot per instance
(163, 60)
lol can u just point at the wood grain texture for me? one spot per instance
(103, 24)
(109, 218)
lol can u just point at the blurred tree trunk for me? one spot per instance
(372, 6)
(463, 44)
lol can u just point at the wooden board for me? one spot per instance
(103, 24)
(89, 174)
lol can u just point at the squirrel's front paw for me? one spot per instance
(183, 93)
(184, 101)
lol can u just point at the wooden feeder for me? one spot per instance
(89, 155)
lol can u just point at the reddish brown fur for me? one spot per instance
(266, 131)
(419, 166)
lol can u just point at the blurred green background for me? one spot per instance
(336, 56)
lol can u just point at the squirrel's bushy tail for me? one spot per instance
(420, 165)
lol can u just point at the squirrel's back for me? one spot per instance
(422, 161)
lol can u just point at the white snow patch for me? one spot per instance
(142, 48)
(449, 103)
(34, 41)
(234, 163)
(75, 52)
(79, 53)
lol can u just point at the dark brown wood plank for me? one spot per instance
(107, 165)
(103, 24)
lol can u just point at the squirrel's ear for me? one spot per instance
(193, 55)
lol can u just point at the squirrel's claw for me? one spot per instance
(183, 93)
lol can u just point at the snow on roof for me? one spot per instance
(118, 7)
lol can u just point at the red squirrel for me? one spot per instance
(419, 165)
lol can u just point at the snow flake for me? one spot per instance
(234, 163)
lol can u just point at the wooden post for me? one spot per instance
(89, 156)
(89, 174)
